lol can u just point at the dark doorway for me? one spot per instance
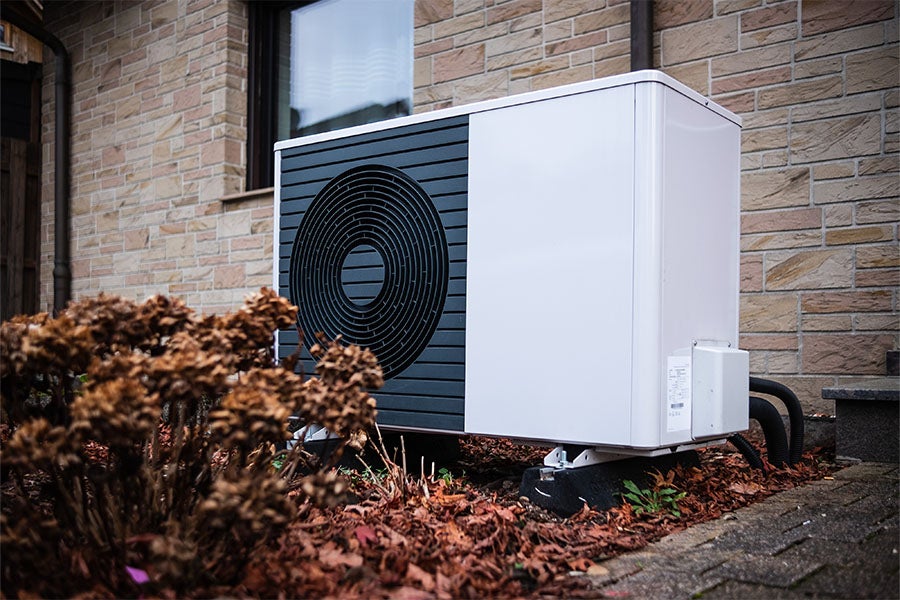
(20, 190)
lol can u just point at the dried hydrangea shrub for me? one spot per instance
(159, 449)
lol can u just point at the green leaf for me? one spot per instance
(630, 486)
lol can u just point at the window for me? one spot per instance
(4, 42)
(321, 66)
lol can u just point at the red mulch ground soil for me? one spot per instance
(473, 537)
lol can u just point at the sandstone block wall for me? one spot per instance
(160, 118)
(158, 138)
(816, 84)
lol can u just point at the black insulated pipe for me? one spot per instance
(794, 409)
(641, 34)
(747, 449)
(773, 429)
(62, 271)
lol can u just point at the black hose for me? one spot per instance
(773, 429)
(747, 449)
(795, 412)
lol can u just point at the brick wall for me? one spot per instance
(158, 138)
(816, 84)
(159, 124)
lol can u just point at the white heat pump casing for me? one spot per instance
(602, 248)
(604, 239)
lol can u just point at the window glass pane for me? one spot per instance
(350, 63)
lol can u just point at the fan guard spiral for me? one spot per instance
(385, 219)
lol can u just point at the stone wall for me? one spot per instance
(159, 125)
(816, 85)
(158, 138)
(472, 50)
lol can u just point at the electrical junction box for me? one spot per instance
(560, 266)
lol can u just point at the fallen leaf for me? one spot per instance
(748, 489)
(451, 534)
(365, 534)
(332, 557)
(580, 564)
(450, 499)
(410, 593)
(418, 574)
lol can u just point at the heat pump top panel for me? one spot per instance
(530, 266)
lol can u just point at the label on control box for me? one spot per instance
(678, 393)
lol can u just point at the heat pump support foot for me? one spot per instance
(565, 490)
(577, 457)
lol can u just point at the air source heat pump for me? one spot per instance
(559, 266)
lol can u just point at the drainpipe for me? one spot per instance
(62, 272)
(641, 34)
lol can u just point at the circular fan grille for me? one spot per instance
(370, 263)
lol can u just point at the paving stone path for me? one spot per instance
(834, 538)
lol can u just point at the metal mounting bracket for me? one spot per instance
(558, 457)
(309, 433)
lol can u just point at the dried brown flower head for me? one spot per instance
(32, 539)
(246, 507)
(247, 418)
(39, 446)
(186, 371)
(175, 558)
(350, 364)
(116, 413)
(12, 333)
(325, 489)
(163, 317)
(110, 319)
(59, 345)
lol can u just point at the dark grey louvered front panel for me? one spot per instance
(385, 237)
